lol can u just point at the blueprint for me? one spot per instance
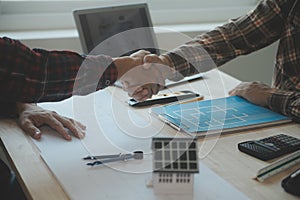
(223, 114)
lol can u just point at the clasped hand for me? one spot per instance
(142, 74)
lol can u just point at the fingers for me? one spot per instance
(31, 129)
(57, 124)
(236, 92)
(31, 120)
(140, 53)
(255, 92)
(146, 92)
(145, 79)
(150, 59)
(60, 123)
(154, 88)
(75, 127)
(240, 89)
(136, 79)
(232, 92)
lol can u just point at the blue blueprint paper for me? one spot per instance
(228, 113)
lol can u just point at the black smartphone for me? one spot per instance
(163, 98)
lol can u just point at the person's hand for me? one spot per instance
(126, 63)
(152, 59)
(146, 91)
(140, 82)
(156, 62)
(31, 117)
(162, 65)
(255, 92)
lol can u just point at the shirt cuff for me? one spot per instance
(279, 101)
(102, 71)
(179, 66)
(109, 76)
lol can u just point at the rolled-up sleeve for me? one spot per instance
(243, 35)
(286, 103)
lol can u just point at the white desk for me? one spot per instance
(219, 154)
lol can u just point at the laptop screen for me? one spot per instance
(115, 31)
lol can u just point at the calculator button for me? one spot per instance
(270, 147)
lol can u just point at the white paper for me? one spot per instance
(114, 128)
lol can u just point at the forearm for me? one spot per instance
(286, 102)
(8, 109)
(13, 109)
(68, 73)
(35, 75)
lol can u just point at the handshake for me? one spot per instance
(143, 74)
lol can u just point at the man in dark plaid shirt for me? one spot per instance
(37, 75)
(270, 21)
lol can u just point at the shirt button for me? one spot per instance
(107, 82)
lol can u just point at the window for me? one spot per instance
(47, 15)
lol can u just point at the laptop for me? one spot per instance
(116, 30)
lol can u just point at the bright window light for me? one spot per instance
(53, 15)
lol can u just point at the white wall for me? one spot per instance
(257, 66)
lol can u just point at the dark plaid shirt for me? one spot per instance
(37, 75)
(270, 21)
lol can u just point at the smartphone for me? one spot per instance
(163, 98)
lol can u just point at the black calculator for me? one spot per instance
(270, 147)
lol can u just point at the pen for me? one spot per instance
(191, 100)
(169, 122)
(295, 173)
(172, 124)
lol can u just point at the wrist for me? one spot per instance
(121, 66)
(20, 107)
(168, 71)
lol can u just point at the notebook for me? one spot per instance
(217, 116)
